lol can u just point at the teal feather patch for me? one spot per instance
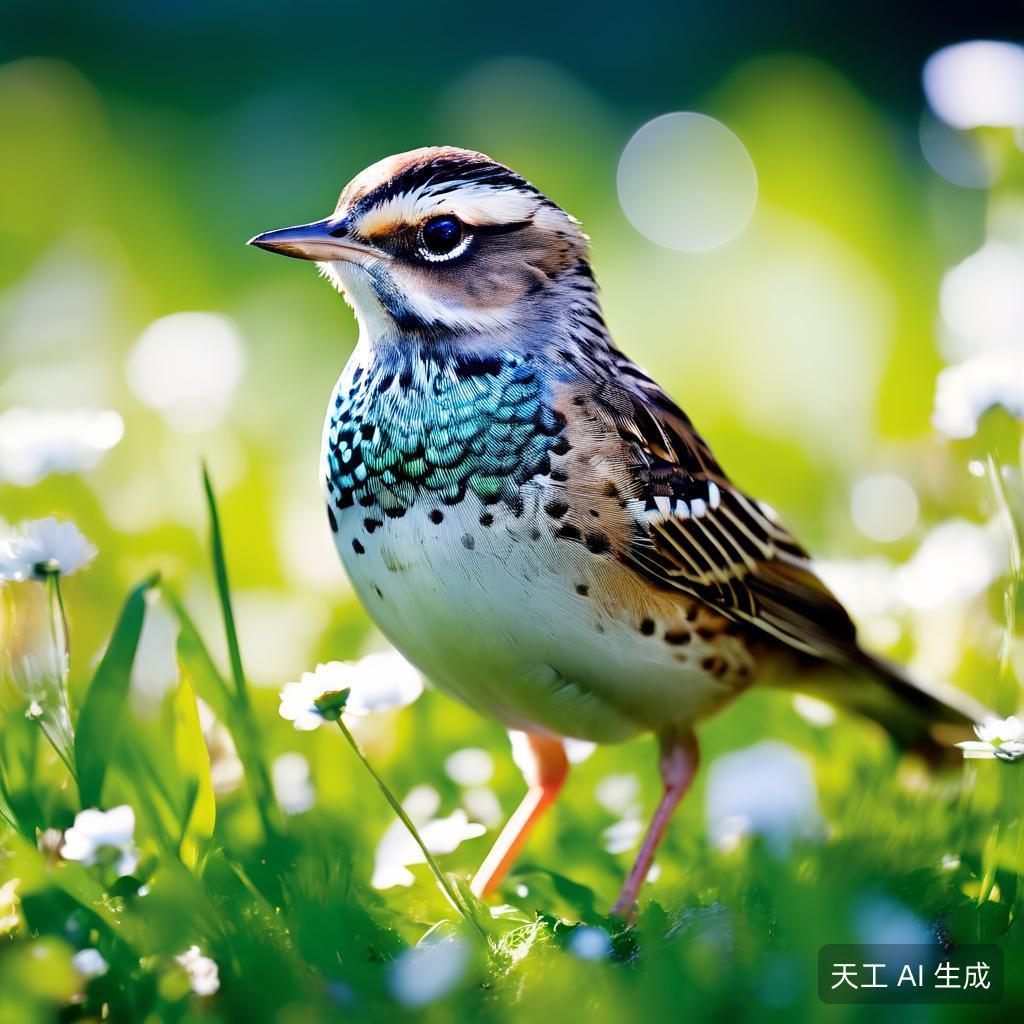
(447, 427)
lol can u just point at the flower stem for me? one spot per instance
(446, 886)
(994, 473)
(60, 636)
(62, 616)
(61, 752)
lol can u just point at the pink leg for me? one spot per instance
(545, 776)
(678, 764)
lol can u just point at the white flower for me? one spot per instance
(37, 442)
(226, 770)
(1008, 730)
(101, 836)
(298, 700)
(44, 546)
(997, 737)
(430, 970)
(768, 790)
(89, 963)
(397, 849)
(963, 393)
(382, 682)
(378, 682)
(482, 805)
(201, 970)
(578, 750)
(982, 301)
(470, 767)
(9, 916)
(618, 794)
(956, 561)
(623, 835)
(292, 785)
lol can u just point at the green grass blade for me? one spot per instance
(220, 571)
(211, 685)
(194, 767)
(207, 679)
(245, 728)
(100, 720)
(6, 812)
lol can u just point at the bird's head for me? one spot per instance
(442, 241)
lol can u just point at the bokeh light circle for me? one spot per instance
(686, 182)
(187, 367)
(884, 507)
(977, 83)
(959, 157)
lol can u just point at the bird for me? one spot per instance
(529, 517)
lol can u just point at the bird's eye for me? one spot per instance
(442, 238)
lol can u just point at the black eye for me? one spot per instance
(441, 235)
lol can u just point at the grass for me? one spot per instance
(283, 905)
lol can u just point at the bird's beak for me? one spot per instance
(322, 240)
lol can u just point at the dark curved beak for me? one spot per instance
(322, 240)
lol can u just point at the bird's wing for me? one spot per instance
(699, 534)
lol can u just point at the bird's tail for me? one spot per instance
(927, 718)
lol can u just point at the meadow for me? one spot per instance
(182, 836)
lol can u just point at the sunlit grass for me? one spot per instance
(806, 350)
(281, 904)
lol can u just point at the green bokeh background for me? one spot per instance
(144, 143)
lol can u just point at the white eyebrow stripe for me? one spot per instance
(471, 203)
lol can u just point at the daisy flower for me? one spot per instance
(378, 682)
(963, 393)
(997, 737)
(202, 972)
(37, 442)
(103, 837)
(89, 963)
(42, 548)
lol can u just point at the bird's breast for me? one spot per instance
(454, 509)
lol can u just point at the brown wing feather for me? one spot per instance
(701, 535)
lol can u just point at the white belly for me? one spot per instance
(492, 614)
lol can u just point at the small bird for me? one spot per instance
(528, 516)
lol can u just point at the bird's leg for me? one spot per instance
(545, 768)
(678, 764)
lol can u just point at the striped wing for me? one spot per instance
(701, 535)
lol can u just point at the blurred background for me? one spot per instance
(855, 234)
(823, 261)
